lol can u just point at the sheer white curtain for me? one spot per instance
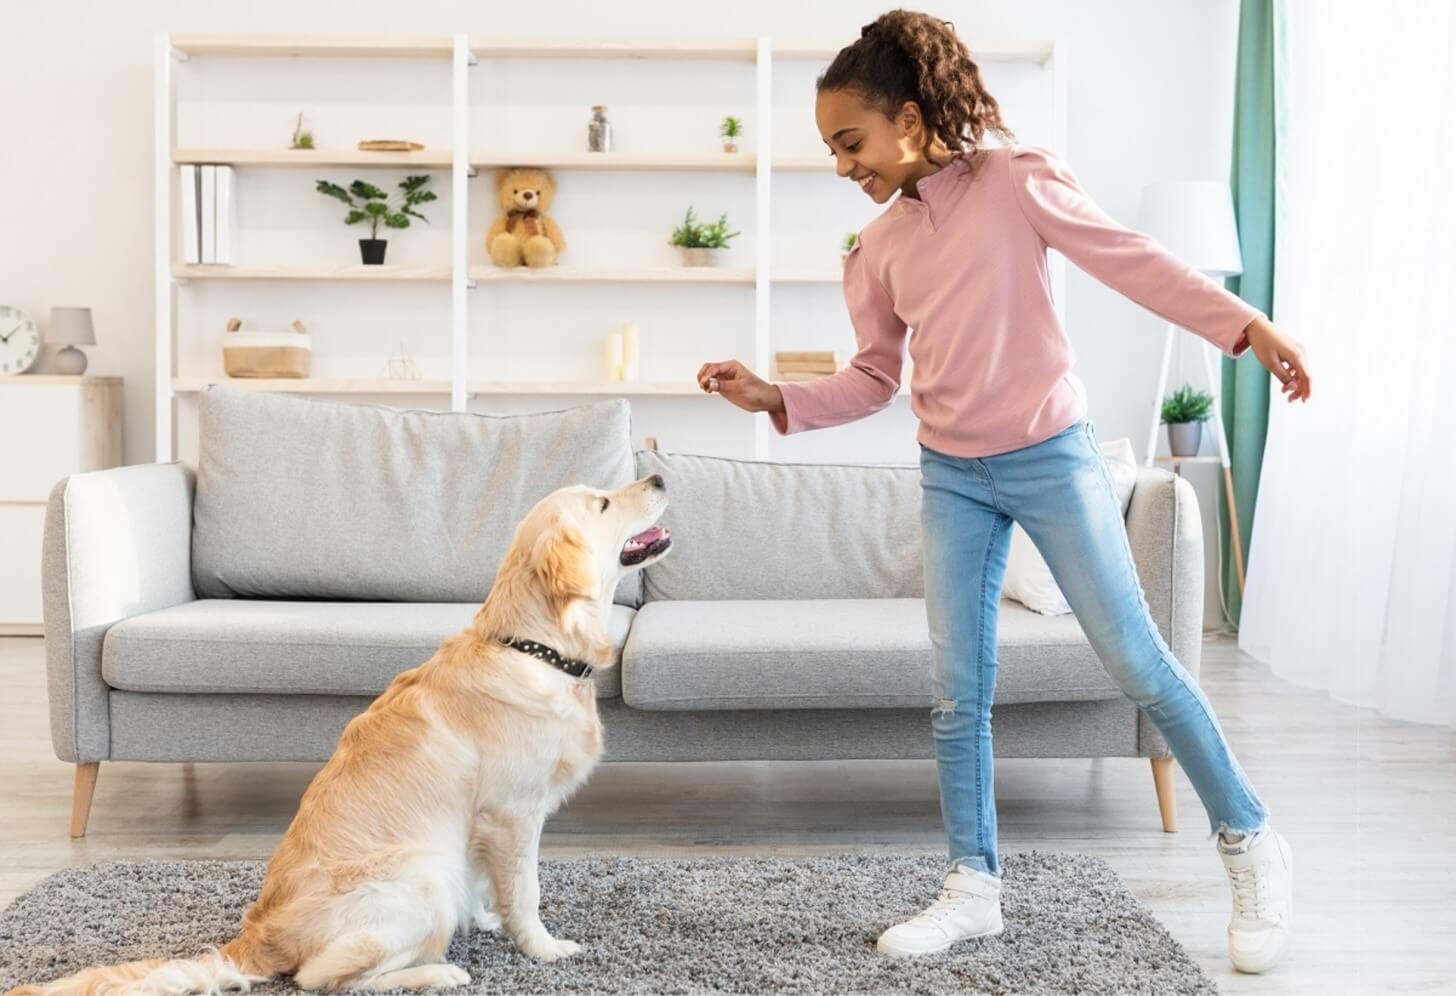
(1352, 563)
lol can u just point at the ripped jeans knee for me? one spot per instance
(943, 706)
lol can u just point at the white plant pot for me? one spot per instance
(697, 256)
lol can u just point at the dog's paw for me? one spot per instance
(485, 919)
(454, 975)
(551, 949)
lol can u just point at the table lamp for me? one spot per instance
(71, 327)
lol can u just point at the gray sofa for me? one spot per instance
(246, 608)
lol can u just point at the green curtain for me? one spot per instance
(1245, 382)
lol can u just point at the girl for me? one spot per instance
(960, 256)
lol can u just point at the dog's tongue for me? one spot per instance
(648, 536)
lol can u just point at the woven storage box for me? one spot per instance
(266, 354)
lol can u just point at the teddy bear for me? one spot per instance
(524, 234)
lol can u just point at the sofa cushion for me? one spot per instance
(849, 653)
(298, 498)
(294, 648)
(750, 529)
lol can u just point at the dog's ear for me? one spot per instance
(563, 560)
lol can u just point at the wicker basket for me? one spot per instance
(266, 354)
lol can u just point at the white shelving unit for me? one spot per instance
(466, 158)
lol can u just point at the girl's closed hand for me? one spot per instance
(739, 385)
(1282, 356)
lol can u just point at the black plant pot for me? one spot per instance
(372, 250)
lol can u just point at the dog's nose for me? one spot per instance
(657, 482)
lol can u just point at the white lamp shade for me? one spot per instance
(71, 326)
(1194, 220)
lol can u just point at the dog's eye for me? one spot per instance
(605, 503)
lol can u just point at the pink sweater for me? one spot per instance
(965, 267)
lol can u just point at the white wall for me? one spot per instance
(1151, 98)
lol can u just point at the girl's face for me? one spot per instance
(879, 154)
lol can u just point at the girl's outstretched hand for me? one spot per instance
(1283, 356)
(740, 385)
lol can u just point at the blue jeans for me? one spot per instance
(1061, 493)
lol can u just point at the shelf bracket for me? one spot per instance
(181, 281)
(472, 172)
(471, 59)
(178, 54)
(470, 283)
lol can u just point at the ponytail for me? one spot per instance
(905, 55)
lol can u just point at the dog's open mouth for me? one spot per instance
(648, 543)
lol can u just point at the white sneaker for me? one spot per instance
(1260, 871)
(969, 905)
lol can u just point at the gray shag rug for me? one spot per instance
(666, 925)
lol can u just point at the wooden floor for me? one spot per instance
(1368, 804)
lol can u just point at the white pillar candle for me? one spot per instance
(630, 341)
(614, 356)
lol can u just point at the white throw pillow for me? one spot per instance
(1028, 578)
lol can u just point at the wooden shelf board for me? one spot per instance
(685, 386)
(315, 158)
(278, 271)
(484, 46)
(317, 385)
(733, 49)
(731, 162)
(29, 378)
(310, 385)
(497, 274)
(597, 274)
(402, 46)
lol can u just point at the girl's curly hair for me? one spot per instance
(906, 55)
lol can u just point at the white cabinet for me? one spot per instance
(53, 427)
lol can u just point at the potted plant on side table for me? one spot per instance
(1184, 412)
(375, 206)
(702, 244)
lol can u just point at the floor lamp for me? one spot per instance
(1194, 220)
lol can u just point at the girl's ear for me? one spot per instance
(910, 119)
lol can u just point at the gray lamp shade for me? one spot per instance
(71, 326)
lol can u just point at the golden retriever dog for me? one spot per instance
(428, 815)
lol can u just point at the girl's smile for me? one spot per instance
(878, 153)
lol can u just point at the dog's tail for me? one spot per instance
(231, 967)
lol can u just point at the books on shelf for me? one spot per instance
(209, 213)
(189, 179)
(806, 364)
(225, 215)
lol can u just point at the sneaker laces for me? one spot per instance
(1252, 898)
(944, 905)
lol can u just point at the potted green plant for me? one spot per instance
(730, 131)
(702, 244)
(850, 238)
(1184, 412)
(375, 206)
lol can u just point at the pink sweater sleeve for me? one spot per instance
(1128, 261)
(871, 379)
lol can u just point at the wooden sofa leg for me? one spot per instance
(81, 797)
(1167, 800)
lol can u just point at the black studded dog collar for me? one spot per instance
(570, 665)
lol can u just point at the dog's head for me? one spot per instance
(583, 540)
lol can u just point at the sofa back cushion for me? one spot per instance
(299, 498)
(746, 529)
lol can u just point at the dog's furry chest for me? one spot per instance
(581, 746)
